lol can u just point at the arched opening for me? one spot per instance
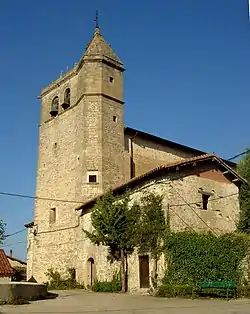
(54, 106)
(91, 271)
(66, 102)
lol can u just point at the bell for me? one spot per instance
(54, 110)
(66, 102)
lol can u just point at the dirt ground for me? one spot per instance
(90, 302)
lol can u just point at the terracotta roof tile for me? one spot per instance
(5, 268)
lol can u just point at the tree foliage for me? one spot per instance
(153, 228)
(197, 257)
(116, 225)
(153, 224)
(244, 170)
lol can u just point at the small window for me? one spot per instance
(114, 119)
(111, 79)
(52, 217)
(92, 178)
(205, 198)
(55, 145)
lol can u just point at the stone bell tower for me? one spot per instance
(81, 144)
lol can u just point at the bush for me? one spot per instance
(172, 291)
(243, 292)
(194, 257)
(56, 282)
(115, 285)
(107, 286)
(214, 293)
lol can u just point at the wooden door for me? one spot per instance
(91, 263)
(144, 271)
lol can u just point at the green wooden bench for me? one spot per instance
(227, 285)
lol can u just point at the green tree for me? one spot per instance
(2, 231)
(153, 228)
(243, 169)
(116, 225)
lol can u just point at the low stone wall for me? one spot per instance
(10, 291)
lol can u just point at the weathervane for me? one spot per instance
(96, 20)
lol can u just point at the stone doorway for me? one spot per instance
(144, 271)
(91, 271)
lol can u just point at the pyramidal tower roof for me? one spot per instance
(98, 48)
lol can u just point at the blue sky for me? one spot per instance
(187, 77)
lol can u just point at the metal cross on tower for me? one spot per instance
(96, 20)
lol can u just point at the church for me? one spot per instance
(85, 150)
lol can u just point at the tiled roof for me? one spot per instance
(5, 268)
(176, 166)
(16, 260)
(98, 46)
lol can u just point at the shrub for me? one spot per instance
(172, 291)
(115, 285)
(197, 257)
(56, 282)
(214, 293)
(107, 286)
(243, 292)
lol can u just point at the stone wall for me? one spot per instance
(5, 279)
(70, 248)
(147, 155)
(23, 290)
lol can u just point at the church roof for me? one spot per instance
(159, 140)
(98, 47)
(172, 168)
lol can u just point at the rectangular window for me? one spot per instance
(92, 178)
(205, 198)
(52, 217)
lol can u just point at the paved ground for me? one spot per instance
(89, 303)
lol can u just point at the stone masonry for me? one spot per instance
(84, 151)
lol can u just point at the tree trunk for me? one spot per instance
(155, 271)
(126, 271)
(123, 271)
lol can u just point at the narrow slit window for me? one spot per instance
(52, 217)
(92, 178)
(114, 119)
(205, 198)
(111, 79)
